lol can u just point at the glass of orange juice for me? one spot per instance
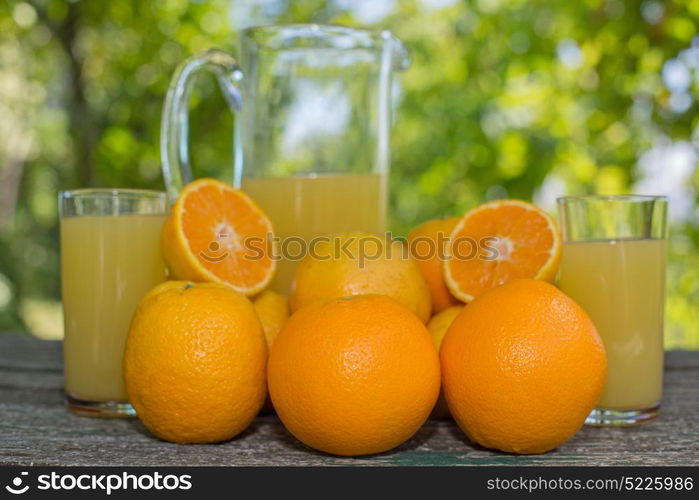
(613, 265)
(110, 258)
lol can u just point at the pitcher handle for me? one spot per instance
(174, 125)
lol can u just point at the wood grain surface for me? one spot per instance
(36, 429)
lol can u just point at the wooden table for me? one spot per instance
(36, 429)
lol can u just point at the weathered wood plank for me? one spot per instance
(36, 429)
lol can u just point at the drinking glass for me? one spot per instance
(110, 258)
(613, 265)
(313, 111)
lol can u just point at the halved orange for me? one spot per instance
(217, 233)
(497, 242)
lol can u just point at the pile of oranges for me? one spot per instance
(460, 319)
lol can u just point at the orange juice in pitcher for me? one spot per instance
(313, 108)
(313, 205)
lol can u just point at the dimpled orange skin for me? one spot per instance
(522, 366)
(385, 271)
(353, 376)
(423, 240)
(195, 362)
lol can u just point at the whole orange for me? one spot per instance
(356, 264)
(440, 323)
(522, 366)
(438, 326)
(427, 243)
(195, 362)
(353, 376)
(273, 310)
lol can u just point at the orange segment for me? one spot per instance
(217, 233)
(497, 242)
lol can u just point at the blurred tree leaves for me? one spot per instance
(504, 98)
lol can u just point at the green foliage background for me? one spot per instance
(504, 98)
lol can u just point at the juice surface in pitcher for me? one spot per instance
(621, 285)
(306, 206)
(108, 263)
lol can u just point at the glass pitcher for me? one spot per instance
(311, 136)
